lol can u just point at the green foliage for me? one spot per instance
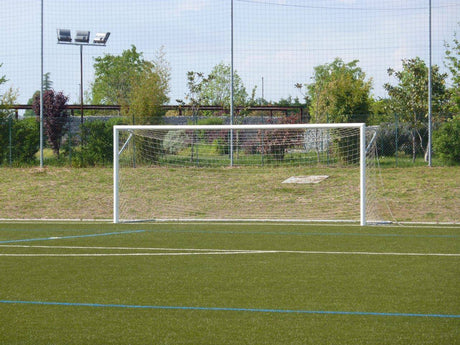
(395, 139)
(339, 93)
(148, 95)
(140, 86)
(4, 138)
(216, 91)
(149, 92)
(98, 146)
(211, 121)
(114, 75)
(7, 98)
(452, 62)
(446, 141)
(26, 140)
(409, 98)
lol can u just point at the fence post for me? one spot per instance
(10, 137)
(70, 138)
(396, 139)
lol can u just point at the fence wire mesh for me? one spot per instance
(280, 53)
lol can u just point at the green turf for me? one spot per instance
(277, 281)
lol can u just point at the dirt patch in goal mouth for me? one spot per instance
(306, 179)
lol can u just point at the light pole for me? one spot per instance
(81, 39)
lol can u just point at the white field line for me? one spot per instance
(130, 254)
(199, 251)
(128, 248)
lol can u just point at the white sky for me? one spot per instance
(277, 40)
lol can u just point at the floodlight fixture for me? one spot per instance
(82, 37)
(101, 38)
(63, 35)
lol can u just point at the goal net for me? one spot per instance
(244, 172)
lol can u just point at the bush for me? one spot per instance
(175, 141)
(389, 138)
(4, 142)
(446, 141)
(26, 140)
(98, 142)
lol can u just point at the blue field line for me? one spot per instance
(280, 233)
(254, 310)
(68, 237)
(283, 233)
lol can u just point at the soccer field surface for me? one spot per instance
(218, 283)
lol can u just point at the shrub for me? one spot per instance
(446, 141)
(26, 140)
(98, 145)
(175, 141)
(275, 143)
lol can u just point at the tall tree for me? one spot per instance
(114, 75)
(409, 97)
(339, 92)
(54, 116)
(146, 99)
(217, 88)
(149, 91)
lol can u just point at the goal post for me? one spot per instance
(285, 172)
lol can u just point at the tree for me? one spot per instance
(149, 91)
(452, 62)
(339, 93)
(217, 89)
(147, 97)
(409, 98)
(54, 116)
(140, 86)
(114, 76)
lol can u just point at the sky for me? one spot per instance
(276, 43)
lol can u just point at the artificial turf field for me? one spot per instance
(99, 283)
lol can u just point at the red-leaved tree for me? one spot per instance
(54, 116)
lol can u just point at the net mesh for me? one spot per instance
(278, 174)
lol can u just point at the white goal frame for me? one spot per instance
(362, 150)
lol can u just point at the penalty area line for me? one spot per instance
(69, 237)
(254, 310)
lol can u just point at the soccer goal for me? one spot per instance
(304, 172)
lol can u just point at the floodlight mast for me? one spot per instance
(81, 39)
